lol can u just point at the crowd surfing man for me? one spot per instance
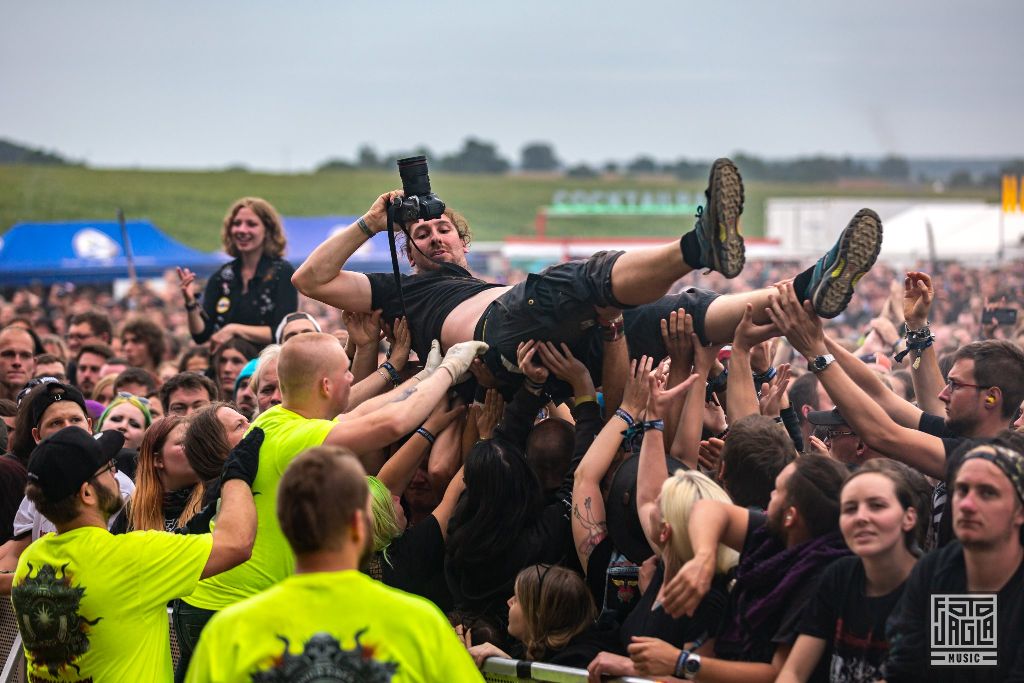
(92, 606)
(328, 617)
(444, 301)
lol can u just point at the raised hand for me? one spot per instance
(185, 280)
(535, 372)
(490, 414)
(677, 335)
(773, 392)
(637, 389)
(456, 361)
(401, 342)
(918, 294)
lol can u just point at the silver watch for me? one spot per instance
(819, 363)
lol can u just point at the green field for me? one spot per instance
(191, 205)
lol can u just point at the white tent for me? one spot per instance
(964, 231)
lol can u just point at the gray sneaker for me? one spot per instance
(837, 272)
(718, 223)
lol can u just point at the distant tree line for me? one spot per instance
(13, 153)
(477, 156)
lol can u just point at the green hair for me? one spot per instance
(385, 523)
(125, 398)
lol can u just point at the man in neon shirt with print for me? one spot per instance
(315, 385)
(92, 606)
(329, 618)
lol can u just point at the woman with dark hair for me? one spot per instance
(500, 523)
(211, 433)
(168, 492)
(196, 359)
(882, 517)
(248, 296)
(551, 614)
(227, 363)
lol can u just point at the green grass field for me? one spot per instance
(190, 205)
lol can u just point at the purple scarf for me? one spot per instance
(767, 577)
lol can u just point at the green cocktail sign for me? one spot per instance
(622, 202)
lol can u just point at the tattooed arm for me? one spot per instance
(589, 523)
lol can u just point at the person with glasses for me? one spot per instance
(984, 387)
(86, 329)
(91, 605)
(842, 442)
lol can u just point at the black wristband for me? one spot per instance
(426, 435)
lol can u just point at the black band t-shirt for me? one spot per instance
(429, 298)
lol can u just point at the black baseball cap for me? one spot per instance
(826, 418)
(624, 527)
(61, 463)
(55, 391)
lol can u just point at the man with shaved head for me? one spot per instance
(316, 386)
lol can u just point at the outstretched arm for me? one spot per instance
(918, 294)
(869, 420)
(711, 522)
(410, 405)
(589, 521)
(321, 276)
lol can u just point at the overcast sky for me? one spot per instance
(285, 85)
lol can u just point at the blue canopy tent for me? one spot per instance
(306, 233)
(91, 251)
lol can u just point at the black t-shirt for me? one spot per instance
(705, 622)
(429, 298)
(942, 524)
(763, 642)
(909, 627)
(581, 650)
(269, 298)
(613, 580)
(415, 563)
(851, 623)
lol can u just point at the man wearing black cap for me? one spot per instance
(92, 606)
(47, 409)
(842, 442)
(986, 561)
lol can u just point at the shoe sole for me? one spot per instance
(725, 205)
(858, 249)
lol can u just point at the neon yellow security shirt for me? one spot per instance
(92, 606)
(286, 435)
(343, 626)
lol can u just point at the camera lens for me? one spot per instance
(415, 181)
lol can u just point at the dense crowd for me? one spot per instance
(623, 465)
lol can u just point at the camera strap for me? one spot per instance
(394, 255)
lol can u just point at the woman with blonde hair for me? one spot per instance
(653, 639)
(250, 295)
(168, 492)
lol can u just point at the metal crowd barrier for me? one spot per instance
(13, 663)
(500, 670)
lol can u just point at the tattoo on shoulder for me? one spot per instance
(596, 529)
(406, 393)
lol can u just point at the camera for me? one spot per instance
(419, 202)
